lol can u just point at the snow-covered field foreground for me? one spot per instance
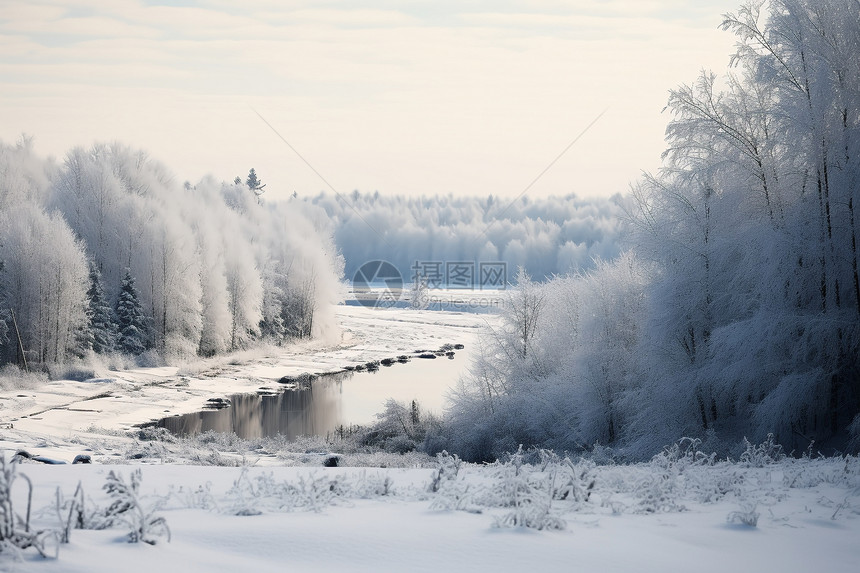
(268, 504)
(680, 512)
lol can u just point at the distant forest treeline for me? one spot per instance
(546, 236)
(106, 252)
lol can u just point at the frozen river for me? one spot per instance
(322, 404)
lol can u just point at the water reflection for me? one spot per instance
(313, 410)
(328, 401)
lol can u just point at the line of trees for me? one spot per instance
(546, 236)
(106, 253)
(736, 311)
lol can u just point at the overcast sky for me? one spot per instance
(412, 97)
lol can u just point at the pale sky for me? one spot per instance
(410, 97)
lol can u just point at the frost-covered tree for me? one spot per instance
(44, 282)
(207, 259)
(130, 320)
(760, 272)
(738, 311)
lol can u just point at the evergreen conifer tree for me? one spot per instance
(102, 337)
(254, 184)
(130, 320)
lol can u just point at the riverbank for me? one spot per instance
(55, 418)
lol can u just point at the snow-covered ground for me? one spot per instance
(669, 515)
(284, 511)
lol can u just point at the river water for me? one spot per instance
(329, 401)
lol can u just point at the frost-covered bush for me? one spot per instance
(368, 486)
(253, 495)
(13, 378)
(200, 497)
(532, 509)
(658, 492)
(758, 456)
(447, 468)
(747, 515)
(806, 472)
(574, 481)
(683, 454)
(402, 428)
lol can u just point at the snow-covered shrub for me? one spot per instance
(251, 496)
(747, 515)
(447, 468)
(532, 511)
(679, 469)
(805, 473)
(710, 484)
(658, 492)
(199, 498)
(530, 498)
(603, 455)
(371, 486)
(454, 495)
(127, 508)
(573, 481)
(510, 480)
(683, 454)
(77, 371)
(400, 428)
(758, 456)
(377, 459)
(243, 496)
(400, 444)
(13, 378)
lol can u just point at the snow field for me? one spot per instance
(665, 515)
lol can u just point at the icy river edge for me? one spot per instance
(54, 419)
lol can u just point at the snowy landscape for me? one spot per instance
(265, 503)
(222, 373)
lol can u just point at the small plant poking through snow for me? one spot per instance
(766, 453)
(70, 512)
(15, 533)
(253, 495)
(127, 508)
(447, 468)
(746, 516)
